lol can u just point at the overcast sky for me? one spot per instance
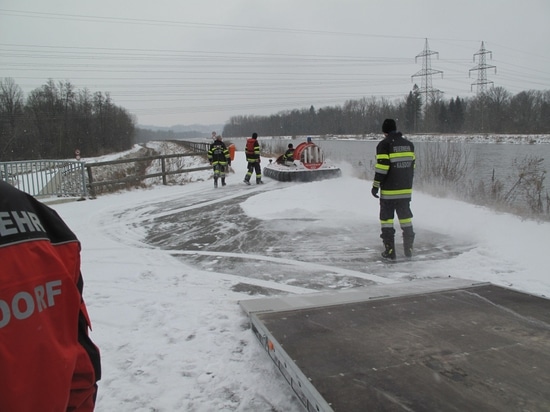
(174, 62)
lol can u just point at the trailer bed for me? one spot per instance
(436, 345)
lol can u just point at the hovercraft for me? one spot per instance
(308, 165)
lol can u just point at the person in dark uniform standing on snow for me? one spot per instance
(219, 158)
(394, 171)
(47, 360)
(252, 151)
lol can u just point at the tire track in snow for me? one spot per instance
(128, 229)
(298, 263)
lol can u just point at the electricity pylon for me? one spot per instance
(482, 67)
(426, 73)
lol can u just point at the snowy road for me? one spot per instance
(164, 269)
(209, 229)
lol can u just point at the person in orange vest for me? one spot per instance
(252, 151)
(47, 360)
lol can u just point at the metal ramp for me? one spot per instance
(438, 345)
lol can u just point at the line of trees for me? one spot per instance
(55, 119)
(495, 111)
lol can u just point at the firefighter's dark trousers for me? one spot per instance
(388, 209)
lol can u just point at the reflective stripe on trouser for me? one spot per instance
(388, 209)
(253, 167)
(219, 169)
(403, 223)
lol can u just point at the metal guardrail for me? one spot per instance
(64, 178)
(196, 146)
(137, 177)
(40, 178)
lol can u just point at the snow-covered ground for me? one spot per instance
(165, 267)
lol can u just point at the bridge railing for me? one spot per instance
(42, 178)
(135, 174)
(64, 178)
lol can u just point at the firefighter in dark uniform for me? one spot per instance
(219, 158)
(394, 171)
(288, 157)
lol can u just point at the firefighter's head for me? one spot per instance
(389, 126)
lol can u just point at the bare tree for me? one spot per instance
(11, 113)
(56, 119)
(523, 112)
(442, 166)
(497, 105)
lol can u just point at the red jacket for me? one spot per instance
(252, 150)
(47, 360)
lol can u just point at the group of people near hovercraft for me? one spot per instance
(392, 183)
(220, 159)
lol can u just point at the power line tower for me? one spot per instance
(482, 67)
(426, 73)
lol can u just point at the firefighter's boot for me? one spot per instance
(408, 241)
(389, 243)
(389, 252)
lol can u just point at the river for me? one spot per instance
(482, 158)
(485, 155)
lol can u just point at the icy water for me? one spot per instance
(483, 158)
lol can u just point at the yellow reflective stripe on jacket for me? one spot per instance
(396, 194)
(381, 168)
(402, 155)
(382, 163)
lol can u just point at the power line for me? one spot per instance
(209, 26)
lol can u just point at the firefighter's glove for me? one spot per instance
(374, 192)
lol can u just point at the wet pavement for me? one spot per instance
(207, 229)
